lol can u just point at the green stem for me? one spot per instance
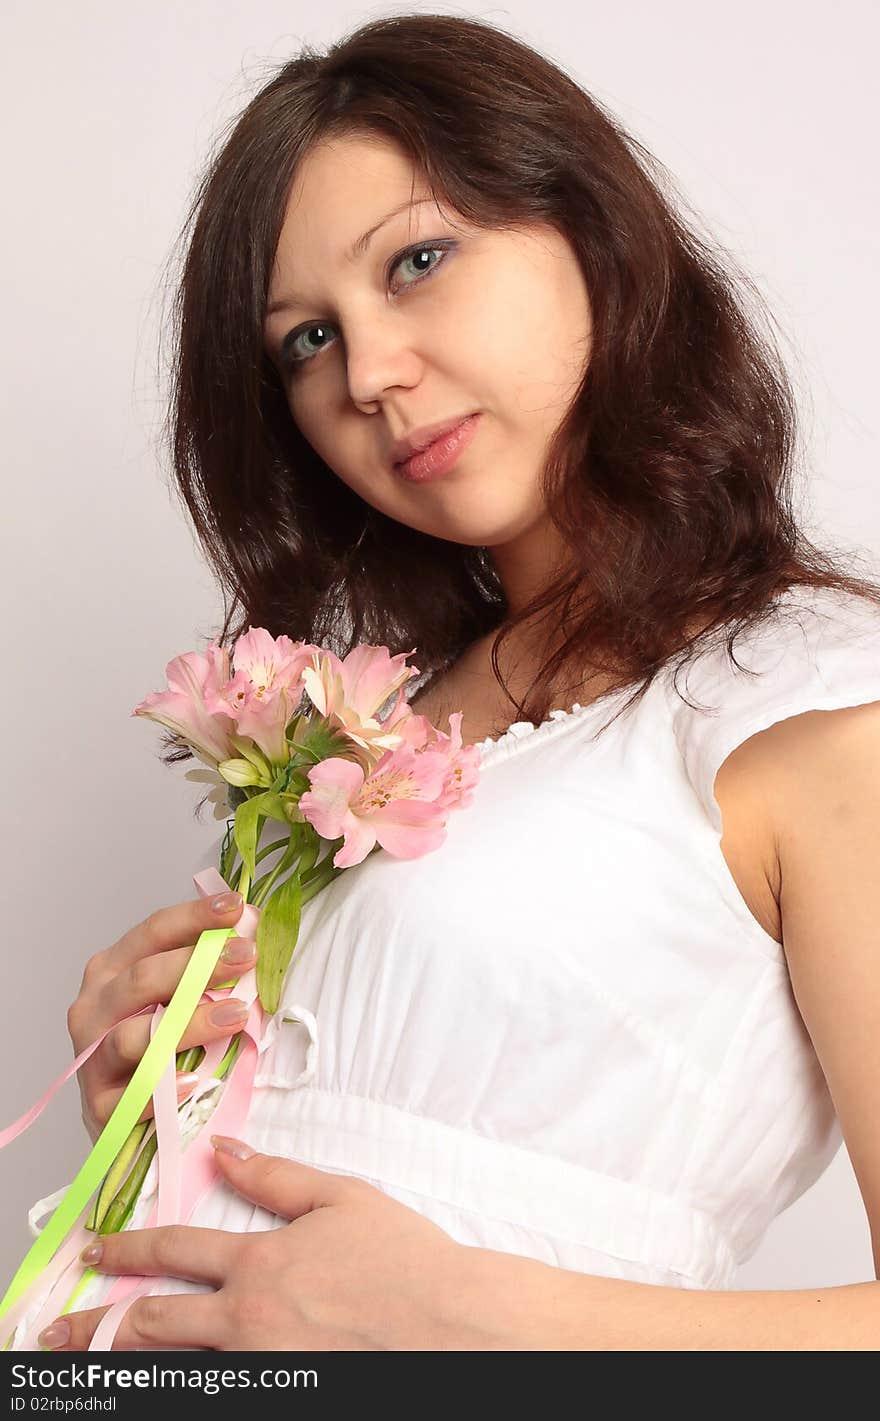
(190, 1060)
(233, 876)
(323, 876)
(309, 855)
(263, 887)
(230, 1057)
(115, 1176)
(269, 848)
(186, 1061)
(117, 1212)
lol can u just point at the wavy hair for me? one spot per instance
(670, 477)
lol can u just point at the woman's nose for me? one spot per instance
(381, 358)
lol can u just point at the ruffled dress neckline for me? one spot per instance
(493, 749)
(520, 729)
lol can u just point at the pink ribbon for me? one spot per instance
(178, 1192)
(10, 1132)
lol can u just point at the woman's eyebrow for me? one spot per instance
(356, 249)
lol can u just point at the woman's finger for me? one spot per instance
(125, 1045)
(167, 928)
(211, 1022)
(171, 1250)
(106, 1099)
(154, 979)
(163, 1320)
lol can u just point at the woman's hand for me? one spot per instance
(356, 1271)
(143, 967)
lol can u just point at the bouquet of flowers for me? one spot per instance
(336, 784)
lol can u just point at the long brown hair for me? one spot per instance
(670, 478)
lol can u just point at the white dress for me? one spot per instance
(563, 1034)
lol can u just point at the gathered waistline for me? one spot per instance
(465, 1170)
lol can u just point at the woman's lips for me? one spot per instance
(438, 458)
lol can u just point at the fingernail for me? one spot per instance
(227, 1146)
(225, 1013)
(238, 950)
(55, 1335)
(225, 902)
(186, 1081)
(92, 1254)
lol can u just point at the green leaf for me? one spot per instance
(263, 886)
(273, 807)
(277, 933)
(247, 824)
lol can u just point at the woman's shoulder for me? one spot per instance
(818, 650)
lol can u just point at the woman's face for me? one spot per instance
(375, 349)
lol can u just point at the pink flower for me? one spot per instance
(266, 689)
(194, 680)
(462, 763)
(350, 692)
(400, 804)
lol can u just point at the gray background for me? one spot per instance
(767, 121)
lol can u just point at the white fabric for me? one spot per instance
(563, 1034)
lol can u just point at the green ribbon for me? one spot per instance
(139, 1090)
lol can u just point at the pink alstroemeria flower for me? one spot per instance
(397, 805)
(266, 688)
(350, 692)
(462, 763)
(188, 706)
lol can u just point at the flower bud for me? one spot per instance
(239, 772)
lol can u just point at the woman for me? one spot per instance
(567, 1071)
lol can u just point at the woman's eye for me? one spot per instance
(297, 348)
